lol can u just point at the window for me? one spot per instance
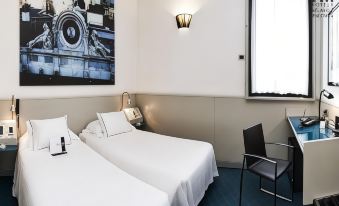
(34, 58)
(280, 48)
(333, 46)
(48, 59)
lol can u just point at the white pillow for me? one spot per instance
(94, 127)
(26, 140)
(114, 123)
(42, 130)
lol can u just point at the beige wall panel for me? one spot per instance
(5, 106)
(220, 121)
(235, 114)
(80, 111)
(332, 110)
(185, 117)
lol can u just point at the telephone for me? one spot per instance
(134, 115)
(306, 122)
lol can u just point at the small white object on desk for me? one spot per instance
(322, 124)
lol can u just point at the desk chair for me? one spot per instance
(258, 163)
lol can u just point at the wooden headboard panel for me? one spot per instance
(80, 111)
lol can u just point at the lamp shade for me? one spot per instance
(328, 95)
(184, 20)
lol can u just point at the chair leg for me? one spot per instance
(241, 179)
(292, 189)
(293, 180)
(275, 192)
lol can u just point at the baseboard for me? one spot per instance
(235, 165)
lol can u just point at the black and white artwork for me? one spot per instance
(67, 42)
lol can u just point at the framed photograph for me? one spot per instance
(67, 42)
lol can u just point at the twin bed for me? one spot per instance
(80, 178)
(182, 168)
(126, 169)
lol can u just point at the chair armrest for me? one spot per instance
(260, 157)
(280, 144)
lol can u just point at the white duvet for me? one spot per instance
(182, 168)
(79, 178)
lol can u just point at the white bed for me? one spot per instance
(79, 178)
(182, 168)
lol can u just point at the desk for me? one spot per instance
(308, 134)
(320, 151)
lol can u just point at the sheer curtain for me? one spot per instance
(280, 47)
(334, 47)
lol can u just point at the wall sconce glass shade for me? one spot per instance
(184, 20)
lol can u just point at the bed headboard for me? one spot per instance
(5, 106)
(80, 110)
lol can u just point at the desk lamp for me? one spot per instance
(326, 94)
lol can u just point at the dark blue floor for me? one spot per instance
(226, 188)
(6, 198)
(223, 192)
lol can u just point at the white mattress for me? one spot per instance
(182, 168)
(79, 178)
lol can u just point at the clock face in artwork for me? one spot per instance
(71, 31)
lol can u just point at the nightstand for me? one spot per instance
(7, 160)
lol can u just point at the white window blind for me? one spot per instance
(280, 50)
(334, 47)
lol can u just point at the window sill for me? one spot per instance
(302, 99)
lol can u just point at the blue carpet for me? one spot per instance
(223, 192)
(6, 198)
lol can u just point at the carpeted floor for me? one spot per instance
(6, 198)
(223, 192)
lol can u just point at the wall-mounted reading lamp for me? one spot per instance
(326, 94)
(122, 99)
(183, 20)
(12, 107)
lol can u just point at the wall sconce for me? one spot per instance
(12, 109)
(184, 20)
(122, 100)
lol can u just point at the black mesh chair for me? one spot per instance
(258, 163)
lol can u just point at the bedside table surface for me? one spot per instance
(9, 148)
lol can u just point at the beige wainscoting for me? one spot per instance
(219, 120)
(5, 113)
(80, 111)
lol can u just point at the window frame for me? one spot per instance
(330, 46)
(272, 96)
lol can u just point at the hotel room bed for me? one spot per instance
(80, 178)
(182, 168)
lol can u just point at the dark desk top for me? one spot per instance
(308, 134)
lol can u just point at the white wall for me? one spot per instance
(126, 56)
(324, 62)
(201, 61)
